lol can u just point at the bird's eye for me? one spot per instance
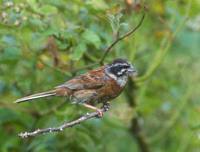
(126, 66)
(121, 71)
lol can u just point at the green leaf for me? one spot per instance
(7, 115)
(91, 38)
(50, 31)
(78, 51)
(48, 9)
(99, 5)
(10, 54)
(36, 23)
(62, 45)
(9, 40)
(33, 4)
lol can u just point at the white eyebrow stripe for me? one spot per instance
(122, 71)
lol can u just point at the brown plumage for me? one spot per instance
(96, 86)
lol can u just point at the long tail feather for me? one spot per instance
(37, 95)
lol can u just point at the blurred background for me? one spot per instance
(44, 43)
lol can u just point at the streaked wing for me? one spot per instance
(90, 80)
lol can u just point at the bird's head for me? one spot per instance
(120, 68)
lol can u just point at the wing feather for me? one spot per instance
(90, 80)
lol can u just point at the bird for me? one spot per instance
(96, 86)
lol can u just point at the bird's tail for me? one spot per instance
(37, 95)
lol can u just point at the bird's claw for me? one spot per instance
(105, 107)
(100, 113)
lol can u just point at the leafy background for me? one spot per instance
(46, 42)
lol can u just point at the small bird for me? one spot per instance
(96, 86)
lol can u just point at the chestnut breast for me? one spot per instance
(110, 90)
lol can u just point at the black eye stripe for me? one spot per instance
(118, 71)
(126, 66)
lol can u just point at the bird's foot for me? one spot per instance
(105, 107)
(100, 113)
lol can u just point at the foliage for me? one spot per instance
(46, 42)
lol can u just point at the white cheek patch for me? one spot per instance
(121, 72)
(112, 76)
(122, 81)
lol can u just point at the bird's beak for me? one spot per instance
(132, 72)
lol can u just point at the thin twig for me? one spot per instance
(65, 125)
(108, 49)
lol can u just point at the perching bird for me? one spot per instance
(96, 86)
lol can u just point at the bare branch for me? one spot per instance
(108, 49)
(65, 125)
